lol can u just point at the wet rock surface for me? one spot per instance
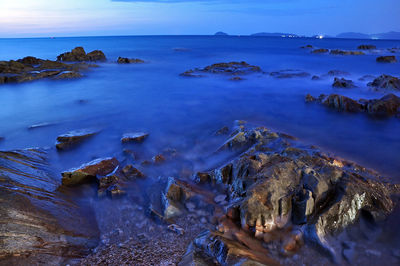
(343, 83)
(78, 54)
(31, 68)
(341, 52)
(124, 60)
(73, 138)
(388, 105)
(386, 59)
(134, 137)
(385, 82)
(39, 224)
(366, 47)
(320, 51)
(231, 68)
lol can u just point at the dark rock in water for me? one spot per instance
(78, 54)
(282, 192)
(289, 73)
(88, 172)
(236, 79)
(2, 138)
(308, 46)
(387, 105)
(190, 74)
(159, 158)
(222, 131)
(310, 98)
(386, 59)
(134, 137)
(320, 51)
(366, 47)
(343, 83)
(337, 73)
(39, 224)
(131, 172)
(73, 138)
(231, 68)
(68, 75)
(315, 77)
(123, 60)
(342, 103)
(341, 52)
(385, 82)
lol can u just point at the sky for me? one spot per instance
(44, 18)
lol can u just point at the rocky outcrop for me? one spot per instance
(78, 54)
(386, 59)
(388, 105)
(320, 51)
(341, 52)
(73, 138)
(123, 60)
(38, 223)
(32, 68)
(385, 82)
(343, 83)
(283, 194)
(366, 47)
(289, 73)
(231, 68)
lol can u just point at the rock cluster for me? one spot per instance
(283, 194)
(343, 83)
(78, 54)
(388, 105)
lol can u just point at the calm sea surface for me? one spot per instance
(179, 112)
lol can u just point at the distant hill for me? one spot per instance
(275, 34)
(221, 33)
(356, 35)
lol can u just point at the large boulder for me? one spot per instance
(385, 82)
(387, 105)
(342, 103)
(78, 54)
(39, 224)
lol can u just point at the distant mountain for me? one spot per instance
(275, 34)
(356, 35)
(221, 33)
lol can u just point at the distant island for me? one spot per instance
(221, 33)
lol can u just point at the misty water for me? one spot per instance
(179, 111)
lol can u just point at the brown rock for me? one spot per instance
(131, 172)
(385, 82)
(320, 51)
(343, 83)
(387, 105)
(72, 138)
(366, 47)
(123, 60)
(134, 137)
(342, 103)
(386, 59)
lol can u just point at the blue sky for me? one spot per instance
(31, 18)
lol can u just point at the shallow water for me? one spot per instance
(179, 112)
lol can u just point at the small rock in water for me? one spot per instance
(222, 131)
(72, 138)
(386, 59)
(366, 47)
(134, 137)
(131, 172)
(123, 60)
(220, 198)
(176, 228)
(159, 158)
(343, 83)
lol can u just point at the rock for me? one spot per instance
(236, 79)
(367, 77)
(342, 103)
(343, 83)
(385, 82)
(386, 59)
(387, 105)
(88, 172)
(40, 224)
(123, 60)
(222, 131)
(68, 75)
(308, 46)
(231, 68)
(310, 98)
(78, 54)
(315, 77)
(30, 60)
(115, 191)
(158, 159)
(131, 172)
(320, 51)
(289, 73)
(73, 138)
(366, 47)
(134, 137)
(341, 52)
(191, 74)
(2, 138)
(337, 73)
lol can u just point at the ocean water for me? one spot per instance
(180, 112)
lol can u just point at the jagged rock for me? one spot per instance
(387, 105)
(73, 138)
(366, 47)
(289, 73)
(39, 223)
(341, 52)
(343, 83)
(386, 59)
(78, 54)
(320, 51)
(134, 137)
(89, 171)
(342, 103)
(231, 68)
(123, 60)
(385, 82)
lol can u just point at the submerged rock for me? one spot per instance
(38, 223)
(386, 59)
(320, 51)
(231, 68)
(280, 192)
(289, 73)
(89, 171)
(366, 47)
(343, 83)
(385, 82)
(123, 60)
(78, 54)
(308, 46)
(336, 72)
(134, 137)
(341, 52)
(73, 138)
